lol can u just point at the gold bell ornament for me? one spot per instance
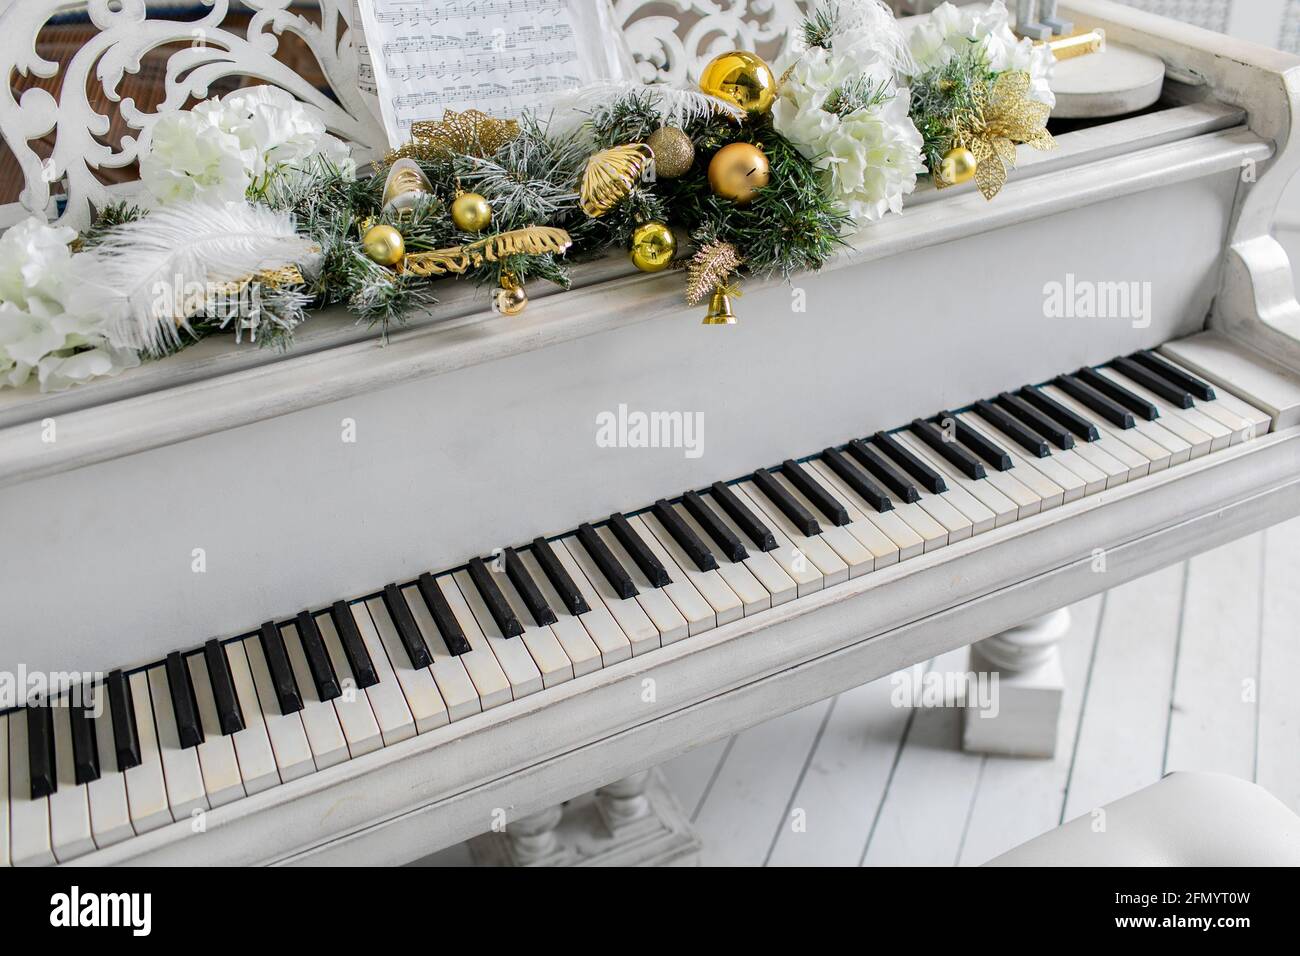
(720, 307)
(958, 166)
(404, 186)
(653, 247)
(510, 299)
(674, 151)
(384, 244)
(742, 79)
(738, 171)
(471, 212)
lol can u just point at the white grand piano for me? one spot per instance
(513, 616)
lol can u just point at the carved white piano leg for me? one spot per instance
(630, 822)
(1020, 716)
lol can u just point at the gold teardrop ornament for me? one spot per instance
(611, 175)
(743, 79)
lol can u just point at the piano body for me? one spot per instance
(202, 497)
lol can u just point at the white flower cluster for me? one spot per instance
(217, 150)
(950, 30)
(41, 328)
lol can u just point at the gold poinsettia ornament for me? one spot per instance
(1002, 117)
(471, 133)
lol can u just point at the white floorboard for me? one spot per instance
(1278, 754)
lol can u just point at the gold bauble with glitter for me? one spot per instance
(510, 299)
(653, 247)
(471, 212)
(958, 166)
(738, 171)
(743, 79)
(674, 151)
(384, 244)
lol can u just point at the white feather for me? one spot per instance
(148, 277)
(676, 105)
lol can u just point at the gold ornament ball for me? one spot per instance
(741, 78)
(384, 244)
(674, 151)
(510, 299)
(471, 212)
(958, 166)
(653, 247)
(738, 171)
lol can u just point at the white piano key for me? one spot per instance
(1245, 419)
(957, 526)
(69, 805)
(1116, 471)
(779, 586)
(319, 719)
(4, 791)
(965, 494)
(578, 645)
(418, 685)
(458, 692)
(889, 541)
(146, 786)
(841, 540)
(1157, 456)
(29, 820)
(1190, 424)
(670, 622)
(598, 622)
(288, 737)
(110, 817)
(1094, 479)
(1179, 450)
(810, 561)
(545, 648)
(701, 614)
(356, 716)
(723, 601)
(217, 760)
(1240, 428)
(1043, 482)
(257, 766)
(480, 663)
(627, 612)
(1226, 396)
(181, 771)
(511, 653)
(387, 702)
(1184, 440)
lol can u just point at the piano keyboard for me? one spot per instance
(207, 727)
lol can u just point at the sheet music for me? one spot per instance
(498, 56)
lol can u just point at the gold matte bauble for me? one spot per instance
(958, 166)
(738, 171)
(674, 151)
(510, 299)
(384, 244)
(741, 78)
(653, 247)
(471, 212)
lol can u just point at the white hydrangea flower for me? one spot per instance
(272, 126)
(871, 155)
(950, 30)
(191, 157)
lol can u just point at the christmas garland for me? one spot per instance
(260, 216)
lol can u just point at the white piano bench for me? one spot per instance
(1027, 698)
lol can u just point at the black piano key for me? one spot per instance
(185, 708)
(277, 662)
(715, 527)
(1171, 373)
(318, 657)
(822, 499)
(1175, 395)
(354, 648)
(559, 577)
(879, 466)
(618, 579)
(956, 455)
(443, 618)
(1118, 394)
(407, 630)
(126, 738)
(1023, 436)
(745, 519)
(865, 488)
(229, 715)
(930, 479)
(528, 590)
(496, 602)
(85, 749)
(776, 493)
(40, 750)
(685, 536)
(1089, 397)
(650, 566)
(988, 450)
(1028, 415)
(1077, 424)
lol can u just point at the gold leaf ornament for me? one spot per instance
(529, 241)
(471, 133)
(1002, 117)
(611, 175)
(709, 269)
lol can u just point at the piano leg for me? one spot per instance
(1021, 712)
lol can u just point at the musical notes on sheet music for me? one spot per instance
(498, 56)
